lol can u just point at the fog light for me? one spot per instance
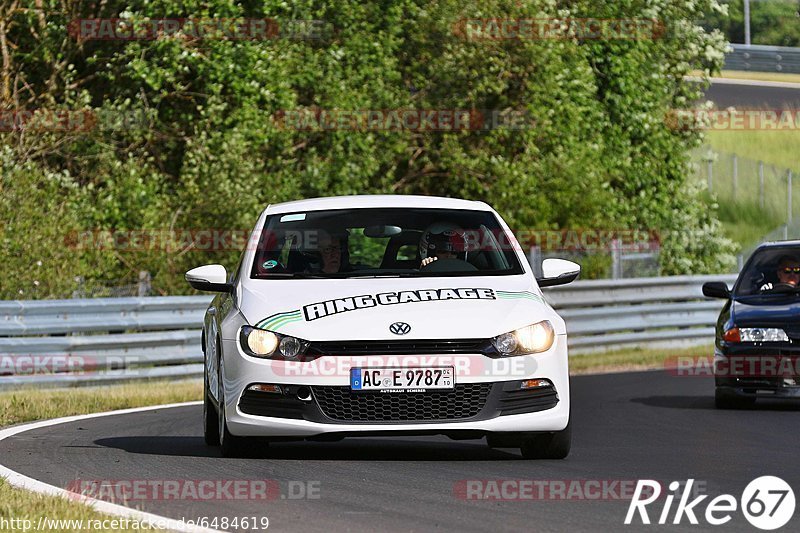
(535, 383)
(266, 387)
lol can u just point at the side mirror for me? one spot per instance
(716, 289)
(212, 278)
(558, 272)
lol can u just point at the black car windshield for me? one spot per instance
(771, 271)
(378, 242)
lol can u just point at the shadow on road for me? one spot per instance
(352, 449)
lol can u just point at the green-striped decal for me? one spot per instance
(527, 295)
(274, 322)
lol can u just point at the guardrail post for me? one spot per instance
(144, 283)
(616, 260)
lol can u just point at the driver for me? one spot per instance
(442, 240)
(788, 273)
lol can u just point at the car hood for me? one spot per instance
(363, 309)
(777, 311)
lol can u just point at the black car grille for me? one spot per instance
(528, 400)
(464, 401)
(397, 347)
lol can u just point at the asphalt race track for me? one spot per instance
(626, 427)
(753, 94)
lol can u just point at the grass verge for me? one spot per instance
(631, 360)
(755, 76)
(28, 405)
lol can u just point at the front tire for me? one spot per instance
(555, 445)
(210, 421)
(230, 445)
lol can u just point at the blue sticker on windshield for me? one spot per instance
(270, 264)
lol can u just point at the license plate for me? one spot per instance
(402, 379)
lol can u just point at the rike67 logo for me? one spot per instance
(767, 503)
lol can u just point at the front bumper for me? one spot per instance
(758, 370)
(486, 399)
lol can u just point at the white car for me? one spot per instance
(376, 315)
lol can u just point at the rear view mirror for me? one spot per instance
(380, 232)
(558, 272)
(212, 278)
(716, 289)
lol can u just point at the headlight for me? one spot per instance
(263, 343)
(763, 335)
(535, 338)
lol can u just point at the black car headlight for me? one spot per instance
(268, 344)
(535, 338)
(755, 335)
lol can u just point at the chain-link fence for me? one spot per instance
(100, 289)
(740, 180)
(618, 262)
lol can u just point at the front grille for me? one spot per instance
(464, 401)
(397, 347)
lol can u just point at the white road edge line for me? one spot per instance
(749, 83)
(21, 481)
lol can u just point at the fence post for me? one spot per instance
(761, 183)
(735, 174)
(144, 283)
(616, 259)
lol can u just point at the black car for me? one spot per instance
(758, 330)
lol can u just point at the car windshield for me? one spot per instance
(348, 243)
(771, 271)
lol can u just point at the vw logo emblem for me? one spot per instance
(399, 328)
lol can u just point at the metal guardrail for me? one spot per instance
(108, 340)
(762, 58)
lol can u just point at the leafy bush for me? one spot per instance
(200, 146)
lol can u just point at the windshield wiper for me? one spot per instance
(387, 274)
(297, 275)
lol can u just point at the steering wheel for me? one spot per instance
(449, 265)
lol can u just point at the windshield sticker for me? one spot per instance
(270, 264)
(293, 218)
(342, 305)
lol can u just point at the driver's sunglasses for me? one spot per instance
(791, 270)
